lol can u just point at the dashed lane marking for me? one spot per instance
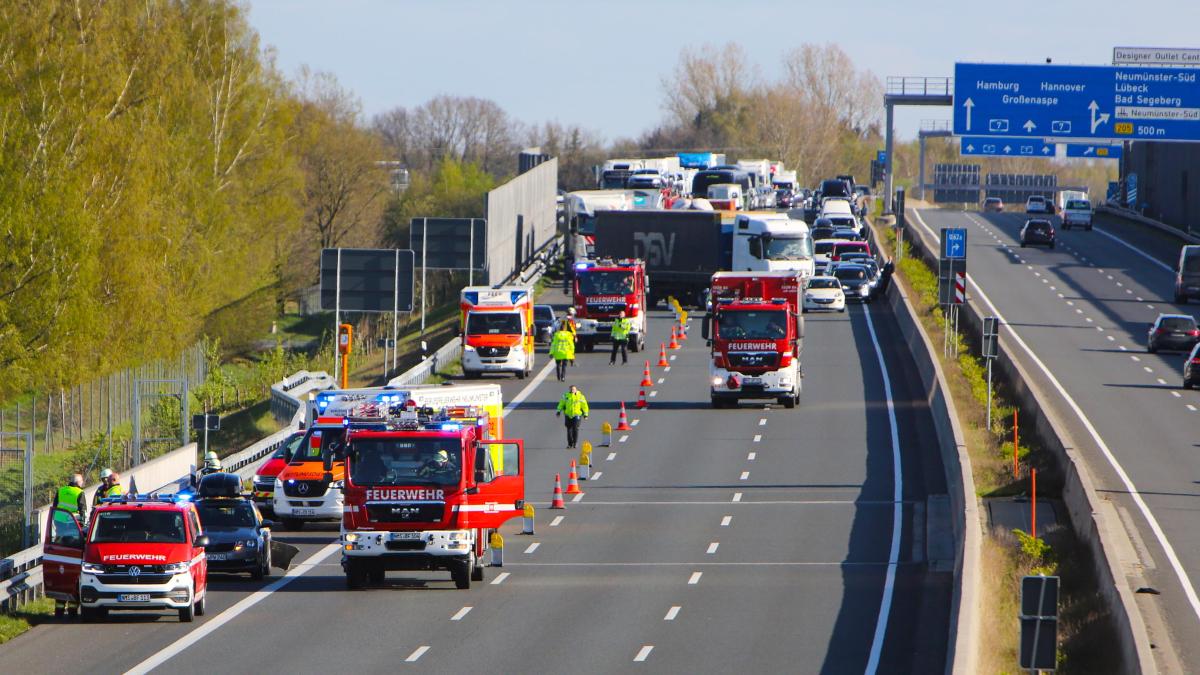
(500, 578)
(1161, 381)
(672, 613)
(737, 496)
(577, 497)
(611, 457)
(458, 616)
(557, 520)
(712, 547)
(634, 423)
(757, 438)
(762, 422)
(596, 476)
(750, 457)
(726, 520)
(660, 380)
(1191, 407)
(695, 578)
(623, 438)
(533, 547)
(654, 393)
(643, 653)
(416, 655)
(1176, 394)
(745, 475)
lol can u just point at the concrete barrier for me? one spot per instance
(1149, 222)
(1092, 518)
(962, 657)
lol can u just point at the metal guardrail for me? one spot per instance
(21, 573)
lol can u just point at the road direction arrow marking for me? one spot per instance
(968, 104)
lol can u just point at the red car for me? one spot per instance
(264, 477)
(849, 247)
(139, 552)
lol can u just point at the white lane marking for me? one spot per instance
(1110, 278)
(1045, 281)
(762, 422)
(1140, 299)
(757, 438)
(1110, 339)
(1129, 291)
(672, 613)
(163, 655)
(1053, 288)
(737, 496)
(1087, 319)
(1078, 311)
(623, 438)
(889, 584)
(596, 476)
(577, 497)
(499, 578)
(726, 520)
(556, 521)
(416, 655)
(1135, 358)
(1191, 407)
(1119, 284)
(1160, 381)
(533, 547)
(654, 393)
(1036, 274)
(634, 423)
(695, 578)
(1135, 249)
(1184, 579)
(745, 475)
(1070, 303)
(1150, 306)
(660, 380)
(750, 457)
(643, 653)
(1122, 347)
(712, 547)
(1061, 295)
(611, 457)
(1029, 266)
(666, 369)
(528, 389)
(1100, 328)
(458, 616)
(672, 357)
(1147, 369)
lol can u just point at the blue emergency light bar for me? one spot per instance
(130, 497)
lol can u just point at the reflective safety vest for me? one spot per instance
(562, 345)
(569, 325)
(573, 405)
(621, 328)
(68, 498)
(115, 491)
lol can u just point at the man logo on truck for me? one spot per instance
(653, 247)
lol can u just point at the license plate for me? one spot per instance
(133, 597)
(304, 512)
(218, 556)
(406, 536)
(752, 380)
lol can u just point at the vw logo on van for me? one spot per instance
(135, 571)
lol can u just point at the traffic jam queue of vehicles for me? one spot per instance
(497, 330)
(425, 490)
(756, 332)
(139, 552)
(310, 488)
(602, 290)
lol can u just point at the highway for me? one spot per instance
(1081, 313)
(757, 539)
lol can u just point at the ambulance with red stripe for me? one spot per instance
(426, 491)
(311, 489)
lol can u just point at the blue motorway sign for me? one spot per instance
(954, 243)
(1005, 147)
(1084, 102)
(1093, 151)
(881, 157)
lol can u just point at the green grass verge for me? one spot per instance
(28, 616)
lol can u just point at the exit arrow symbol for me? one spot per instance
(1097, 120)
(1029, 126)
(970, 148)
(968, 104)
(1045, 149)
(1007, 149)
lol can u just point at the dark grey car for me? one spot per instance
(238, 539)
(856, 281)
(1176, 332)
(543, 322)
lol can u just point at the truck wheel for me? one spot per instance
(461, 573)
(356, 576)
(477, 573)
(293, 524)
(188, 614)
(202, 605)
(789, 401)
(521, 374)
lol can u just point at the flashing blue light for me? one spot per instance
(451, 426)
(582, 266)
(183, 497)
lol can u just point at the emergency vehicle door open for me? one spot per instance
(62, 555)
(499, 483)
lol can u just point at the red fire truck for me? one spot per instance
(425, 491)
(756, 332)
(604, 289)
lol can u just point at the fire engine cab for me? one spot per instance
(139, 552)
(425, 490)
(604, 289)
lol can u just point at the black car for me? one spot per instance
(1037, 232)
(847, 234)
(821, 231)
(239, 540)
(784, 198)
(543, 323)
(856, 281)
(1191, 368)
(1176, 332)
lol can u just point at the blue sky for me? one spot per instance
(600, 64)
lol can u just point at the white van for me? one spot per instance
(726, 196)
(836, 207)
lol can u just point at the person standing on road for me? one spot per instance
(574, 407)
(569, 324)
(106, 483)
(885, 280)
(562, 350)
(70, 498)
(620, 339)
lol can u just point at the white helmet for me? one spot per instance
(571, 311)
(211, 461)
(105, 473)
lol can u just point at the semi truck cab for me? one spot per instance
(602, 290)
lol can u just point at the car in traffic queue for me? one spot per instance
(544, 321)
(1172, 332)
(1191, 368)
(844, 246)
(1037, 232)
(239, 540)
(822, 229)
(855, 280)
(1187, 274)
(139, 553)
(1038, 204)
(993, 204)
(824, 292)
(263, 481)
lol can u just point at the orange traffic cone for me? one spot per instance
(623, 420)
(682, 332)
(646, 381)
(557, 501)
(674, 339)
(573, 481)
(662, 355)
(641, 402)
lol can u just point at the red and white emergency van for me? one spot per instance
(756, 331)
(497, 330)
(139, 552)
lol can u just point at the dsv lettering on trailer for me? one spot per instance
(654, 247)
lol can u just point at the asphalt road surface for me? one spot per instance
(758, 539)
(1083, 309)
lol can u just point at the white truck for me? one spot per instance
(1076, 209)
(771, 242)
